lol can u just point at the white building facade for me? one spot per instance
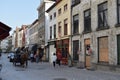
(43, 26)
(98, 24)
(52, 31)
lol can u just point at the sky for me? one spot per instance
(18, 12)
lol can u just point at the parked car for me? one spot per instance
(11, 56)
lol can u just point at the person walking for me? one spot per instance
(32, 56)
(37, 55)
(54, 59)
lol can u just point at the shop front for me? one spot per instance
(63, 47)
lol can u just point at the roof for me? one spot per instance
(57, 2)
(49, 9)
(4, 30)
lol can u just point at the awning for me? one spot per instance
(4, 31)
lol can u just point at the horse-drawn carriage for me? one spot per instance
(21, 57)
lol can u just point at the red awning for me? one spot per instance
(4, 31)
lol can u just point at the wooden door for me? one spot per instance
(103, 49)
(87, 57)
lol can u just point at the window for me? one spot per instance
(118, 11)
(65, 7)
(65, 26)
(50, 17)
(102, 16)
(75, 24)
(50, 32)
(55, 31)
(75, 2)
(59, 11)
(54, 14)
(87, 21)
(59, 29)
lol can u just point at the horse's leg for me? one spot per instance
(22, 63)
(26, 63)
(13, 62)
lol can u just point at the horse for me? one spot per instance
(24, 59)
(21, 58)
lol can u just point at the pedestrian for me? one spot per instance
(37, 55)
(54, 59)
(32, 56)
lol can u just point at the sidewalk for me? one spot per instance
(71, 73)
(46, 71)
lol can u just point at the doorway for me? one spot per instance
(118, 49)
(103, 50)
(87, 57)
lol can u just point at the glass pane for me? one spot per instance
(119, 14)
(87, 13)
(76, 27)
(106, 18)
(100, 19)
(102, 7)
(118, 1)
(105, 6)
(76, 17)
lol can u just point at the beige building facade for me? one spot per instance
(62, 23)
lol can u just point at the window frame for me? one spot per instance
(118, 12)
(59, 29)
(65, 7)
(74, 22)
(50, 32)
(54, 14)
(75, 2)
(59, 11)
(87, 19)
(50, 17)
(66, 26)
(103, 24)
(54, 30)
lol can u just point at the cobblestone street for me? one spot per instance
(45, 71)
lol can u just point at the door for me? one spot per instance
(87, 57)
(75, 50)
(103, 49)
(118, 48)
